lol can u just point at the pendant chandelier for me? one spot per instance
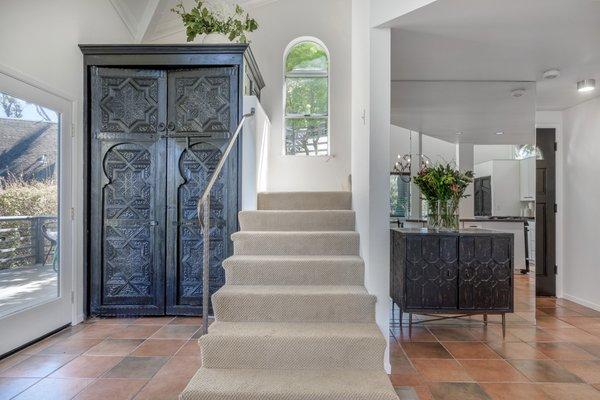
(403, 166)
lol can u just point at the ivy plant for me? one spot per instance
(201, 20)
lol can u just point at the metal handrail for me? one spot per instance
(204, 217)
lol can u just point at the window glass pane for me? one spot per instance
(28, 204)
(306, 57)
(306, 96)
(399, 196)
(306, 136)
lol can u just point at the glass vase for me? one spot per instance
(442, 215)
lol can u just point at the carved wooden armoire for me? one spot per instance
(157, 119)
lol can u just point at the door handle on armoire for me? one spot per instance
(171, 126)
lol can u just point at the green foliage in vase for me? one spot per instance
(443, 183)
(200, 20)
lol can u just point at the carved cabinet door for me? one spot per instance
(202, 114)
(485, 273)
(127, 203)
(431, 272)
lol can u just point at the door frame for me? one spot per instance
(39, 317)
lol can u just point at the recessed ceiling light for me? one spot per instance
(499, 133)
(459, 133)
(551, 74)
(586, 85)
(518, 93)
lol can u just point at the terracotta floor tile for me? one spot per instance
(517, 351)
(424, 393)
(544, 371)
(580, 321)
(589, 371)
(458, 391)
(492, 334)
(163, 388)
(531, 334)
(112, 389)
(416, 334)
(71, 346)
(37, 366)
(452, 334)
(13, 360)
(442, 370)
(175, 332)
(136, 332)
(87, 367)
(492, 371)
(181, 366)
(408, 379)
(591, 348)
(562, 351)
(406, 393)
(470, 350)
(111, 321)
(98, 331)
(573, 335)
(158, 347)
(425, 350)
(153, 320)
(114, 347)
(551, 322)
(401, 364)
(196, 321)
(136, 368)
(560, 312)
(191, 348)
(570, 392)
(10, 387)
(514, 391)
(54, 389)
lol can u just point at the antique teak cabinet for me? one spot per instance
(452, 273)
(156, 120)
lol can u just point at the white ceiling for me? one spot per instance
(476, 109)
(149, 20)
(514, 40)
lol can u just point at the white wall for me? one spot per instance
(38, 43)
(281, 22)
(438, 151)
(255, 153)
(488, 152)
(581, 212)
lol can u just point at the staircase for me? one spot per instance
(294, 321)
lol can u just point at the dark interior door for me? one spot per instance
(127, 202)
(203, 114)
(545, 217)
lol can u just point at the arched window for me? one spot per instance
(306, 115)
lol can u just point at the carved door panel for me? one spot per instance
(203, 114)
(485, 273)
(127, 192)
(431, 272)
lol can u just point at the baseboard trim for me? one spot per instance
(582, 302)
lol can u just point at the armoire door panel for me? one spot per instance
(203, 114)
(127, 182)
(202, 102)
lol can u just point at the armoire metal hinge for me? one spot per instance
(556, 270)
(555, 146)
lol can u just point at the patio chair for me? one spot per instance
(52, 237)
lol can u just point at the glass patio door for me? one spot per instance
(35, 265)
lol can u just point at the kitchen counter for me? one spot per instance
(496, 219)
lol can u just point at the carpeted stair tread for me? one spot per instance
(276, 303)
(256, 384)
(293, 346)
(305, 201)
(297, 220)
(296, 243)
(294, 270)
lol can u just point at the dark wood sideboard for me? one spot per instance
(465, 273)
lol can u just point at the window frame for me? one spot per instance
(310, 74)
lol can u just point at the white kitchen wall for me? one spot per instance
(38, 44)
(488, 152)
(581, 147)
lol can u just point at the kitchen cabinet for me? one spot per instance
(504, 187)
(527, 175)
(531, 236)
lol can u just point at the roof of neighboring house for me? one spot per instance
(27, 146)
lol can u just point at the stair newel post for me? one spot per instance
(205, 222)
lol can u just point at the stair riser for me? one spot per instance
(296, 244)
(297, 221)
(294, 308)
(298, 353)
(305, 201)
(294, 273)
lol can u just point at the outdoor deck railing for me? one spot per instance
(22, 241)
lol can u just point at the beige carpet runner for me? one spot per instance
(294, 320)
